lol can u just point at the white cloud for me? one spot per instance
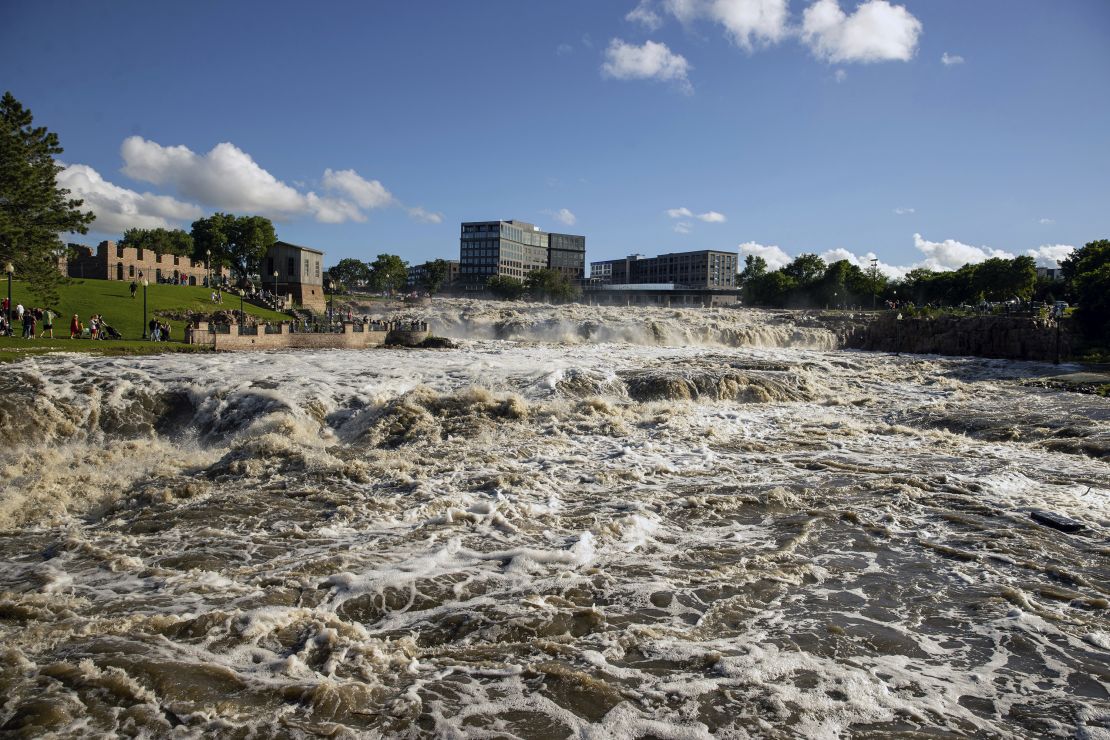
(428, 217)
(645, 15)
(118, 209)
(227, 178)
(710, 217)
(774, 256)
(1050, 255)
(564, 216)
(682, 227)
(748, 22)
(876, 31)
(951, 254)
(862, 261)
(1047, 221)
(365, 193)
(949, 59)
(652, 61)
(903, 210)
(564, 49)
(840, 75)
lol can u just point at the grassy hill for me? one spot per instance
(113, 300)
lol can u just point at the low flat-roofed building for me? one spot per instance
(708, 269)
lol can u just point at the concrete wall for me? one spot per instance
(372, 336)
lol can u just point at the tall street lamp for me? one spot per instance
(145, 283)
(275, 286)
(241, 315)
(9, 268)
(208, 265)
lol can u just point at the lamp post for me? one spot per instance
(9, 268)
(275, 286)
(208, 266)
(145, 283)
(241, 315)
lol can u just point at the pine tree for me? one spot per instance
(34, 211)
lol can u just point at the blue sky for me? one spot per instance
(770, 126)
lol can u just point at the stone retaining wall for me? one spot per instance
(1004, 337)
(229, 338)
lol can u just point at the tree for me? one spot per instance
(504, 287)
(213, 234)
(159, 241)
(806, 269)
(350, 272)
(33, 209)
(435, 275)
(389, 273)
(238, 242)
(549, 284)
(1087, 271)
(754, 267)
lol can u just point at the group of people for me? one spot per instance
(97, 328)
(29, 318)
(159, 330)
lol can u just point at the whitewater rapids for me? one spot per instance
(582, 522)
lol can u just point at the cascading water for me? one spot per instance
(705, 528)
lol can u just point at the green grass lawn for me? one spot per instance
(17, 348)
(112, 299)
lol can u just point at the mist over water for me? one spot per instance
(582, 522)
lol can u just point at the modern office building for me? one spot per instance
(706, 269)
(513, 249)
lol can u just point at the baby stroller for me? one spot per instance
(109, 332)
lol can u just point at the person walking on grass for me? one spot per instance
(74, 327)
(134, 288)
(48, 317)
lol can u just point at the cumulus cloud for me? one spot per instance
(877, 31)
(710, 217)
(365, 193)
(951, 254)
(903, 210)
(1050, 255)
(228, 178)
(949, 59)
(749, 23)
(651, 61)
(645, 15)
(428, 217)
(862, 261)
(564, 216)
(774, 256)
(118, 209)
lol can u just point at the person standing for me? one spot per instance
(74, 327)
(134, 288)
(152, 325)
(48, 317)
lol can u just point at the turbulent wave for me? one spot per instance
(598, 538)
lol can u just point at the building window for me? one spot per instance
(317, 268)
(131, 271)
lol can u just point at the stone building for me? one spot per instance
(299, 274)
(113, 262)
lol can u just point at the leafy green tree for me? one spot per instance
(770, 289)
(213, 234)
(389, 273)
(350, 272)
(754, 267)
(33, 209)
(505, 287)
(238, 242)
(1087, 271)
(160, 241)
(549, 284)
(435, 275)
(249, 240)
(806, 269)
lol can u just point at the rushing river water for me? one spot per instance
(577, 524)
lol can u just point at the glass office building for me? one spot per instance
(704, 269)
(513, 249)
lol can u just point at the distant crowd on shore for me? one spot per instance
(31, 319)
